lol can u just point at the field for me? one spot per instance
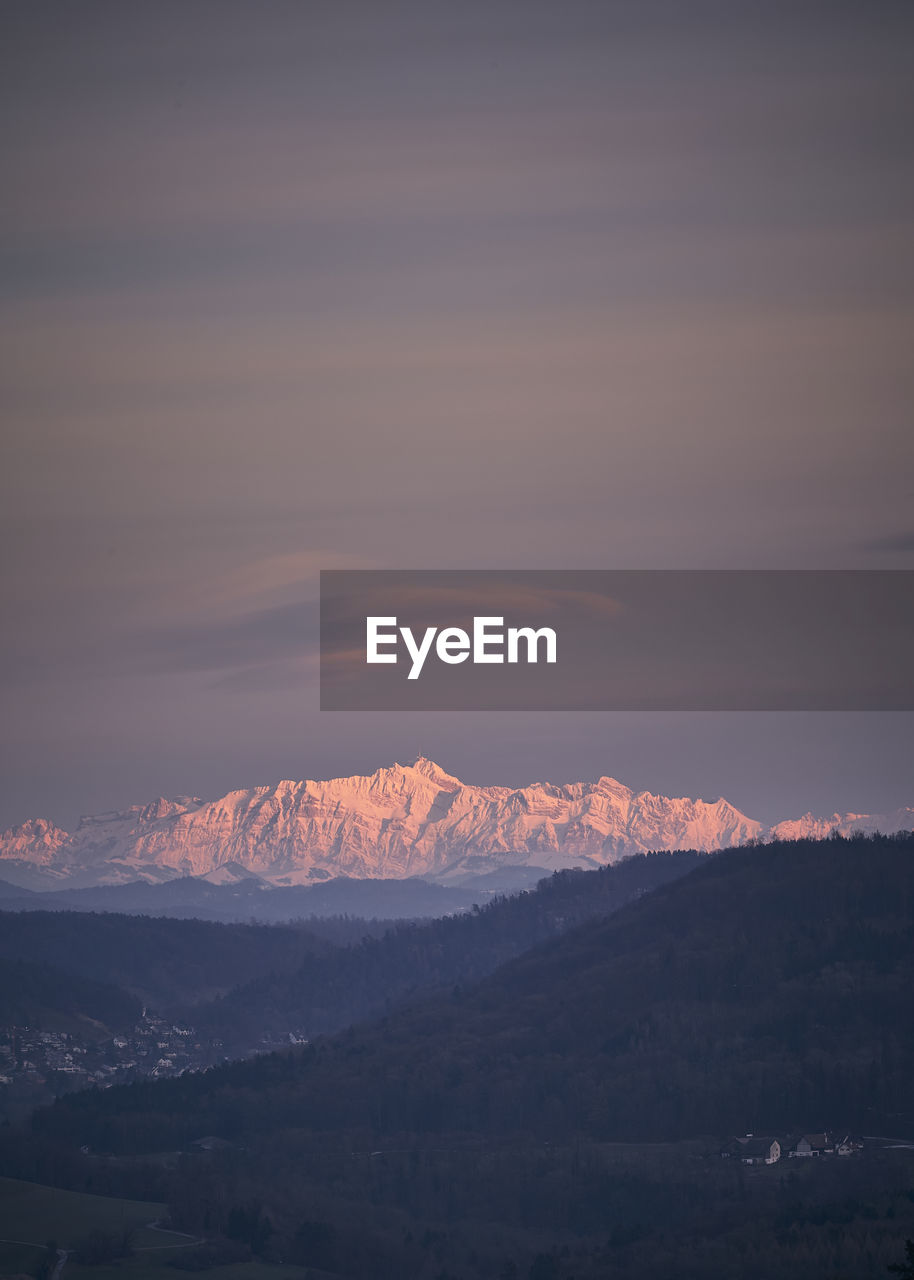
(155, 1267)
(31, 1215)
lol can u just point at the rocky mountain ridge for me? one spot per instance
(402, 820)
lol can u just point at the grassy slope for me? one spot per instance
(29, 1211)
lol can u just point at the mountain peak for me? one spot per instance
(403, 820)
(606, 783)
(434, 772)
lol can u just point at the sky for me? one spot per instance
(492, 285)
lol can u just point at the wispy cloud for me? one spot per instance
(255, 639)
(892, 542)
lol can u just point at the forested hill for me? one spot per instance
(240, 982)
(770, 988)
(329, 991)
(162, 961)
(33, 993)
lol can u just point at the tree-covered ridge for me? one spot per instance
(321, 974)
(329, 991)
(767, 989)
(325, 972)
(163, 961)
(33, 993)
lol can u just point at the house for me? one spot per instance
(752, 1150)
(812, 1144)
(761, 1151)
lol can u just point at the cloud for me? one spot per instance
(256, 639)
(283, 578)
(893, 542)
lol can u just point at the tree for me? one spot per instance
(906, 1268)
(314, 1245)
(249, 1224)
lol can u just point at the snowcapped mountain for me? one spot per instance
(405, 820)
(844, 823)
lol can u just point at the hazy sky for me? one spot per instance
(303, 285)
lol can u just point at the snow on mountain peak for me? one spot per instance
(402, 820)
(435, 773)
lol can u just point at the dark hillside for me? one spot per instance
(500, 1130)
(34, 994)
(769, 988)
(163, 961)
(327, 992)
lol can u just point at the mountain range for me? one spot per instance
(400, 821)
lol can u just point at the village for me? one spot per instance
(67, 1060)
(753, 1150)
(37, 1065)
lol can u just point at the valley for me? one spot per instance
(543, 1087)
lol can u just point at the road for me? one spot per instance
(62, 1255)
